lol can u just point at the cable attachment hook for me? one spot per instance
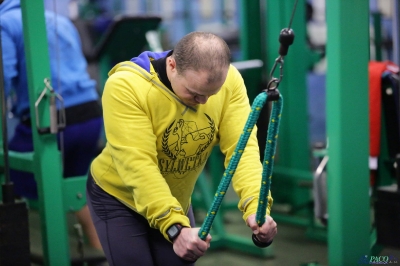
(57, 118)
(274, 82)
(286, 38)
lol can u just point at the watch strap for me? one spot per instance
(174, 231)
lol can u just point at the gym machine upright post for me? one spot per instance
(46, 159)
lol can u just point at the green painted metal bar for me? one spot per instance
(251, 44)
(250, 40)
(104, 67)
(347, 128)
(19, 161)
(187, 8)
(378, 35)
(215, 166)
(46, 156)
(74, 193)
(294, 151)
(207, 196)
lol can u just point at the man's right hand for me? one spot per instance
(189, 246)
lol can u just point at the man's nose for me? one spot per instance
(202, 99)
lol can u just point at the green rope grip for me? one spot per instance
(269, 158)
(256, 108)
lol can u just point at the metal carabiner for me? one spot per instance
(279, 61)
(273, 84)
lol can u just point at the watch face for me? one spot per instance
(173, 230)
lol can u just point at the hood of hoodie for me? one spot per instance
(8, 5)
(143, 60)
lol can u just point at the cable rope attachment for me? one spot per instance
(271, 93)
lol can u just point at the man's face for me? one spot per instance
(192, 88)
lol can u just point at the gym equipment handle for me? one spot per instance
(268, 161)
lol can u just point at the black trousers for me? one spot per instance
(125, 235)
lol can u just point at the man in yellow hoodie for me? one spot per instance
(163, 114)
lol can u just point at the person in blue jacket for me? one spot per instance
(79, 141)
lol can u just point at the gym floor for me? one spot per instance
(291, 247)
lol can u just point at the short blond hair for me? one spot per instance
(202, 51)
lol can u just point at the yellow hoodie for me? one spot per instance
(157, 146)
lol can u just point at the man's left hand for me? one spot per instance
(266, 232)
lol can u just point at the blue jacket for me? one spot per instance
(68, 65)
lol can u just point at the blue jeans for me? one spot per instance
(80, 146)
(125, 235)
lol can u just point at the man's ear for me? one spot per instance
(171, 64)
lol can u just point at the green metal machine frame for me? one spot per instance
(293, 165)
(347, 109)
(252, 42)
(46, 158)
(57, 196)
(348, 131)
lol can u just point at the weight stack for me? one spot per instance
(387, 216)
(14, 234)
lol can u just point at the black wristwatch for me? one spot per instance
(174, 231)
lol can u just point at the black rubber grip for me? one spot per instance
(260, 244)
